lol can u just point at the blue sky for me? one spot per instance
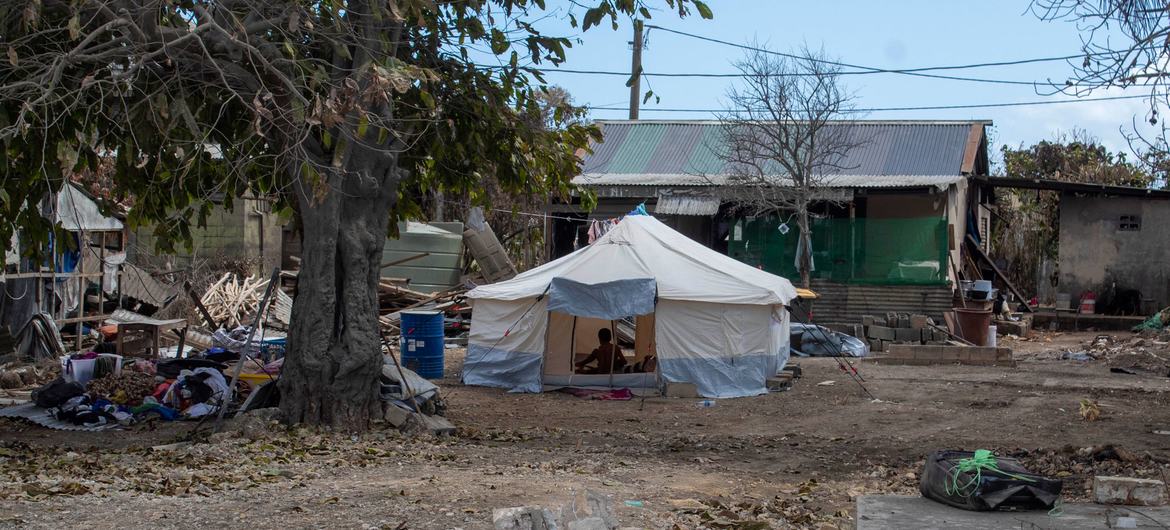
(886, 34)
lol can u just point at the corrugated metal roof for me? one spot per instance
(686, 153)
(687, 205)
(838, 181)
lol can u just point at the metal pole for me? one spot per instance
(225, 401)
(636, 71)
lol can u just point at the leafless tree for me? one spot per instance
(782, 139)
(1124, 45)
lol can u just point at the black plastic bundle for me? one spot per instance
(980, 481)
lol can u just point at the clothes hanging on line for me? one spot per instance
(598, 228)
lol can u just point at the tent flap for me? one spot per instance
(607, 301)
(721, 377)
(506, 345)
(515, 371)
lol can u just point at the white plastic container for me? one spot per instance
(992, 340)
(78, 370)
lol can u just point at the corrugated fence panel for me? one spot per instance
(845, 304)
(436, 272)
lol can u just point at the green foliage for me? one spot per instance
(1076, 160)
(199, 99)
(1026, 229)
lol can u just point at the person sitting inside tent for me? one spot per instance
(608, 356)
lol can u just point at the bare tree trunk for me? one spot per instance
(334, 360)
(805, 246)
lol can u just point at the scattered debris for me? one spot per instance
(1090, 410)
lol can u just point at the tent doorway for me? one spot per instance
(571, 339)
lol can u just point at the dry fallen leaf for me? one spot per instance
(1090, 411)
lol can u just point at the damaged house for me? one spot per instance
(1112, 247)
(886, 237)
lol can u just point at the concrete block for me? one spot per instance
(919, 321)
(1003, 354)
(793, 369)
(948, 353)
(941, 335)
(908, 335)
(1131, 491)
(903, 320)
(869, 320)
(395, 415)
(900, 351)
(919, 513)
(437, 425)
(589, 523)
(881, 332)
(877, 345)
(933, 353)
(681, 390)
(982, 353)
(523, 518)
(858, 331)
(892, 319)
(783, 377)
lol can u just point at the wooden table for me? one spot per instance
(154, 330)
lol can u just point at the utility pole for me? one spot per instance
(636, 71)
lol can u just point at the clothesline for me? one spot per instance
(540, 215)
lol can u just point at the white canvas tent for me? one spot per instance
(710, 319)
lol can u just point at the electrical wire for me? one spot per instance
(793, 74)
(871, 69)
(912, 108)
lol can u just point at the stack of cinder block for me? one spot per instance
(933, 354)
(899, 328)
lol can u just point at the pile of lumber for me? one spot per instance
(393, 300)
(231, 301)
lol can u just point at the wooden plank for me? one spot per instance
(397, 315)
(974, 138)
(199, 305)
(46, 275)
(1002, 276)
(75, 320)
(406, 259)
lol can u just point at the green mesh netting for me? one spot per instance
(911, 251)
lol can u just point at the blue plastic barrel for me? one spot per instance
(422, 343)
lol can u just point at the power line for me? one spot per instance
(928, 107)
(794, 74)
(907, 71)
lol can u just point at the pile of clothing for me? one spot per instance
(169, 390)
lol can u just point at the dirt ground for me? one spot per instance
(788, 459)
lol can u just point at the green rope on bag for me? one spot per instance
(982, 460)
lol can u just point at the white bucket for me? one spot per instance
(78, 370)
(117, 362)
(992, 340)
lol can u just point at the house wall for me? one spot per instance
(1094, 253)
(905, 205)
(249, 231)
(696, 227)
